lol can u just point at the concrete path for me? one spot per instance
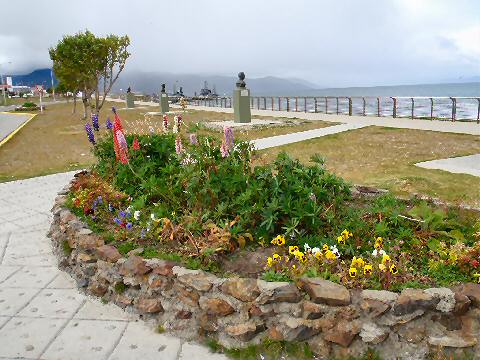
(301, 136)
(10, 122)
(42, 314)
(460, 165)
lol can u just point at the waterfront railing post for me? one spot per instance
(431, 108)
(350, 106)
(288, 104)
(279, 104)
(378, 106)
(454, 108)
(478, 111)
(264, 103)
(296, 104)
(413, 107)
(394, 111)
(364, 107)
(315, 104)
(326, 105)
(337, 105)
(305, 104)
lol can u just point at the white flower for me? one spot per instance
(315, 250)
(152, 216)
(129, 209)
(335, 251)
(306, 247)
(376, 253)
(136, 215)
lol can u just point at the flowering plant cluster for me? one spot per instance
(198, 195)
(356, 271)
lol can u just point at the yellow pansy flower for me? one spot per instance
(279, 240)
(330, 255)
(318, 255)
(358, 262)
(477, 276)
(385, 258)
(276, 257)
(367, 269)
(393, 269)
(270, 261)
(341, 240)
(292, 249)
(382, 267)
(378, 242)
(325, 247)
(352, 272)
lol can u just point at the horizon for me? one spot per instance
(333, 44)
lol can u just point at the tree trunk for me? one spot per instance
(85, 107)
(74, 103)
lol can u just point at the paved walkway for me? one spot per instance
(460, 165)
(10, 122)
(42, 314)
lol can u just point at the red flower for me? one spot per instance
(87, 211)
(474, 263)
(136, 144)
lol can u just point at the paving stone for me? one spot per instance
(95, 339)
(8, 226)
(95, 310)
(139, 342)
(31, 277)
(27, 337)
(14, 299)
(196, 352)
(4, 320)
(6, 271)
(54, 303)
(62, 281)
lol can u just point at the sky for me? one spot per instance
(331, 43)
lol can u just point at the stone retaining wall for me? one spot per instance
(238, 311)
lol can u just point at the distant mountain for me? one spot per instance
(36, 77)
(150, 82)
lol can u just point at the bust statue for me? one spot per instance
(241, 78)
(129, 90)
(163, 88)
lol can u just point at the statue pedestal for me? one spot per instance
(164, 108)
(241, 105)
(130, 100)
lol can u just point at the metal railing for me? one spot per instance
(456, 108)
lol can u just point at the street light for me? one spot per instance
(3, 87)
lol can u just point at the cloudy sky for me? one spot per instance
(327, 42)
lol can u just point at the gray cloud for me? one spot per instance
(329, 42)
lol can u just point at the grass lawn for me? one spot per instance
(55, 140)
(385, 158)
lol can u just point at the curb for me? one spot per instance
(12, 134)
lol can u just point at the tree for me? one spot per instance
(83, 62)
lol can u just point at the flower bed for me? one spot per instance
(198, 201)
(158, 221)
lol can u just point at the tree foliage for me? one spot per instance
(87, 63)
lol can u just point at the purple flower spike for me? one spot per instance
(114, 110)
(117, 221)
(109, 124)
(193, 139)
(96, 127)
(229, 138)
(122, 214)
(129, 226)
(89, 130)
